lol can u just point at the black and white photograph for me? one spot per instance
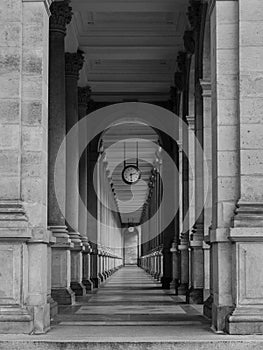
(131, 174)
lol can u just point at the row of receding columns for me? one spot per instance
(227, 122)
(76, 267)
(190, 254)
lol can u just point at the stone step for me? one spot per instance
(133, 345)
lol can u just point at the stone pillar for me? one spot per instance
(60, 17)
(83, 101)
(206, 88)
(225, 143)
(24, 237)
(207, 144)
(246, 234)
(73, 64)
(197, 236)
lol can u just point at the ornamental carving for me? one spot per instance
(61, 14)
(194, 14)
(74, 63)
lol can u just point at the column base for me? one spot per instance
(63, 296)
(182, 289)
(219, 314)
(101, 277)
(195, 296)
(245, 321)
(88, 284)
(175, 285)
(41, 317)
(14, 320)
(166, 282)
(53, 307)
(96, 281)
(78, 288)
(208, 307)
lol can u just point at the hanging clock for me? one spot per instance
(131, 173)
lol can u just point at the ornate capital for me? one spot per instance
(84, 95)
(189, 42)
(61, 14)
(73, 63)
(194, 14)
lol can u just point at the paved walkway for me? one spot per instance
(130, 311)
(132, 298)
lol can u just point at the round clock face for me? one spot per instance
(131, 174)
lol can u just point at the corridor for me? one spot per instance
(131, 297)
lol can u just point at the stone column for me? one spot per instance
(73, 64)
(225, 143)
(83, 101)
(246, 234)
(206, 92)
(60, 17)
(197, 236)
(207, 143)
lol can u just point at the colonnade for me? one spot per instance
(216, 261)
(216, 258)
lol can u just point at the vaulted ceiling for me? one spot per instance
(130, 46)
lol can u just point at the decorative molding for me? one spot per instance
(248, 215)
(61, 14)
(206, 87)
(191, 121)
(74, 63)
(13, 221)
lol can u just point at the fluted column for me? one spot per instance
(60, 17)
(73, 64)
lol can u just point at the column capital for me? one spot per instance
(191, 121)
(206, 87)
(194, 14)
(73, 63)
(61, 14)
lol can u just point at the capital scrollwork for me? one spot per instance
(74, 63)
(194, 14)
(61, 14)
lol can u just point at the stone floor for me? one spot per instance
(130, 311)
(131, 298)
